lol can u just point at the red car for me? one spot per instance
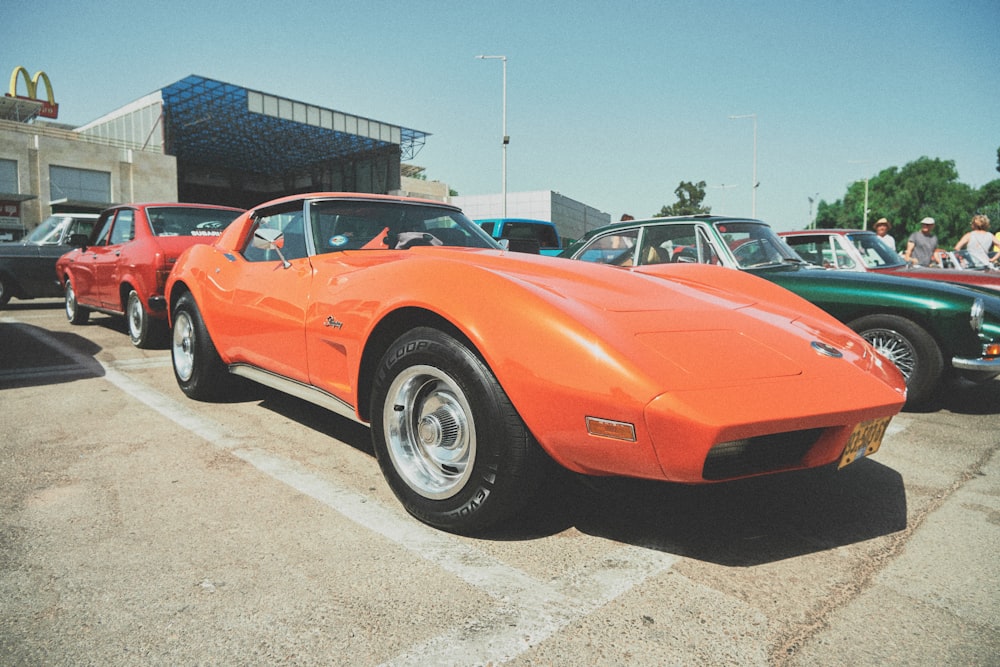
(857, 250)
(122, 267)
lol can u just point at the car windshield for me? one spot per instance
(344, 224)
(874, 252)
(963, 259)
(754, 244)
(189, 221)
(47, 232)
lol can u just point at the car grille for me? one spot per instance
(752, 456)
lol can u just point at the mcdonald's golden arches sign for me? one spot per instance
(49, 107)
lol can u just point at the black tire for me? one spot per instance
(907, 345)
(75, 313)
(5, 292)
(199, 370)
(449, 442)
(144, 331)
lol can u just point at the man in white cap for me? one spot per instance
(921, 246)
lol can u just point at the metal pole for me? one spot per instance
(506, 138)
(755, 183)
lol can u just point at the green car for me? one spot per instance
(929, 330)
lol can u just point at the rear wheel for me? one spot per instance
(448, 440)
(4, 292)
(199, 370)
(75, 313)
(913, 351)
(143, 330)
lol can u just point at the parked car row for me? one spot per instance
(477, 367)
(856, 250)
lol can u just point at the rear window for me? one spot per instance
(544, 234)
(183, 221)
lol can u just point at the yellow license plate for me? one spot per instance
(864, 441)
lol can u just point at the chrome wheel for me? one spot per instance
(429, 432)
(136, 316)
(894, 347)
(75, 313)
(71, 305)
(182, 346)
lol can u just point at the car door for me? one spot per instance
(108, 256)
(83, 262)
(265, 300)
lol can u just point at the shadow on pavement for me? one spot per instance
(32, 356)
(962, 397)
(738, 524)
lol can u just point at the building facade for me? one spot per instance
(572, 218)
(47, 169)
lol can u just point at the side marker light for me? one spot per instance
(607, 428)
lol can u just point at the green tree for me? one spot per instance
(988, 201)
(923, 188)
(689, 200)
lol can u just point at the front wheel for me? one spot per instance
(199, 370)
(75, 313)
(447, 438)
(913, 351)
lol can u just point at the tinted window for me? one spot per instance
(351, 225)
(178, 221)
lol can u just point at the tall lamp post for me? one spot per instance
(755, 183)
(864, 213)
(506, 139)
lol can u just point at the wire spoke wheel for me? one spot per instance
(894, 347)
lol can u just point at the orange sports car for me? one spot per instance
(474, 366)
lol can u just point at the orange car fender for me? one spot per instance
(519, 331)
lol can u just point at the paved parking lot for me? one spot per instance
(140, 528)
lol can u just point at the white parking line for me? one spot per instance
(528, 610)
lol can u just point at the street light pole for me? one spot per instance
(506, 139)
(755, 183)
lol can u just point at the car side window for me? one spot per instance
(675, 243)
(81, 226)
(807, 248)
(613, 248)
(293, 243)
(124, 229)
(842, 254)
(102, 236)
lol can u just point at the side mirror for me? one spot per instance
(78, 241)
(266, 238)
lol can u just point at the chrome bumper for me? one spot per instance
(978, 364)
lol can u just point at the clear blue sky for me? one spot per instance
(612, 104)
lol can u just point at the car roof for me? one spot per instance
(626, 224)
(172, 204)
(839, 232)
(354, 196)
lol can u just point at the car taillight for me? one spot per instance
(161, 279)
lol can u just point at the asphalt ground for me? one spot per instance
(138, 527)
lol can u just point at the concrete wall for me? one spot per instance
(134, 175)
(418, 187)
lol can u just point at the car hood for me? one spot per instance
(709, 325)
